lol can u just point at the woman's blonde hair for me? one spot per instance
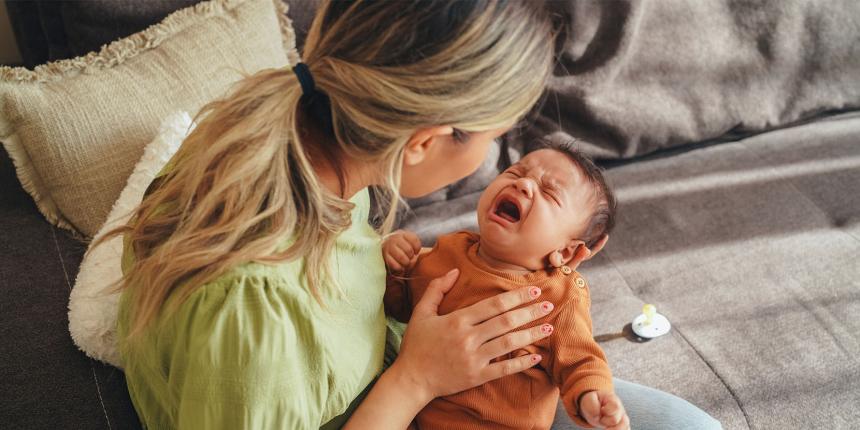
(242, 181)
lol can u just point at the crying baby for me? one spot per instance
(538, 221)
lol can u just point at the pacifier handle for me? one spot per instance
(649, 310)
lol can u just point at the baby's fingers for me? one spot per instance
(607, 421)
(407, 251)
(623, 425)
(399, 255)
(391, 263)
(589, 408)
(413, 240)
(611, 413)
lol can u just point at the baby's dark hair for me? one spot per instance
(603, 219)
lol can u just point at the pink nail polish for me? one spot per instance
(534, 291)
(546, 306)
(546, 328)
(536, 358)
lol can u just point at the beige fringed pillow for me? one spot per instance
(75, 128)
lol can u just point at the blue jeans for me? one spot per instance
(650, 409)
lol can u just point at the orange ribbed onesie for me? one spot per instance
(572, 362)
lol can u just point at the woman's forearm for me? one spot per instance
(391, 404)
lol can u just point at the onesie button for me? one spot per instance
(566, 270)
(580, 282)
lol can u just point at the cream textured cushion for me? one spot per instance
(92, 311)
(75, 128)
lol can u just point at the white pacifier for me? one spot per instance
(650, 324)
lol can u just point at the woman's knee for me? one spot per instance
(649, 408)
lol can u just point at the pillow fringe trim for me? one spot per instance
(118, 51)
(28, 177)
(288, 33)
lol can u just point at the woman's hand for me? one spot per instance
(441, 355)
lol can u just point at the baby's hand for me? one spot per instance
(400, 250)
(603, 409)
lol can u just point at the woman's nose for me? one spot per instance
(525, 186)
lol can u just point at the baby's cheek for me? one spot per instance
(531, 241)
(541, 235)
(486, 199)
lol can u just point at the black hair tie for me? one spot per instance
(303, 73)
(316, 103)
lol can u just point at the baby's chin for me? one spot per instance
(505, 247)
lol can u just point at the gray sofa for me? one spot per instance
(751, 248)
(739, 209)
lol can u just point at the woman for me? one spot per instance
(262, 305)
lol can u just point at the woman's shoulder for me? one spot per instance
(254, 292)
(239, 338)
(253, 284)
(242, 303)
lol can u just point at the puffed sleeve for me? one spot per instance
(245, 356)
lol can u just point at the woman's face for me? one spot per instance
(445, 160)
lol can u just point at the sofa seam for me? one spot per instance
(677, 330)
(90, 360)
(717, 374)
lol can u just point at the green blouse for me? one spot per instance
(253, 348)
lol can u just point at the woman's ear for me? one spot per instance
(421, 143)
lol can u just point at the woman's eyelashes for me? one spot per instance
(460, 136)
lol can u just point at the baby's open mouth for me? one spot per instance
(508, 210)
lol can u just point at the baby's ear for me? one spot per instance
(571, 255)
(576, 252)
(599, 245)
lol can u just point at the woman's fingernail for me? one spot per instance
(536, 358)
(453, 272)
(546, 306)
(534, 292)
(546, 328)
